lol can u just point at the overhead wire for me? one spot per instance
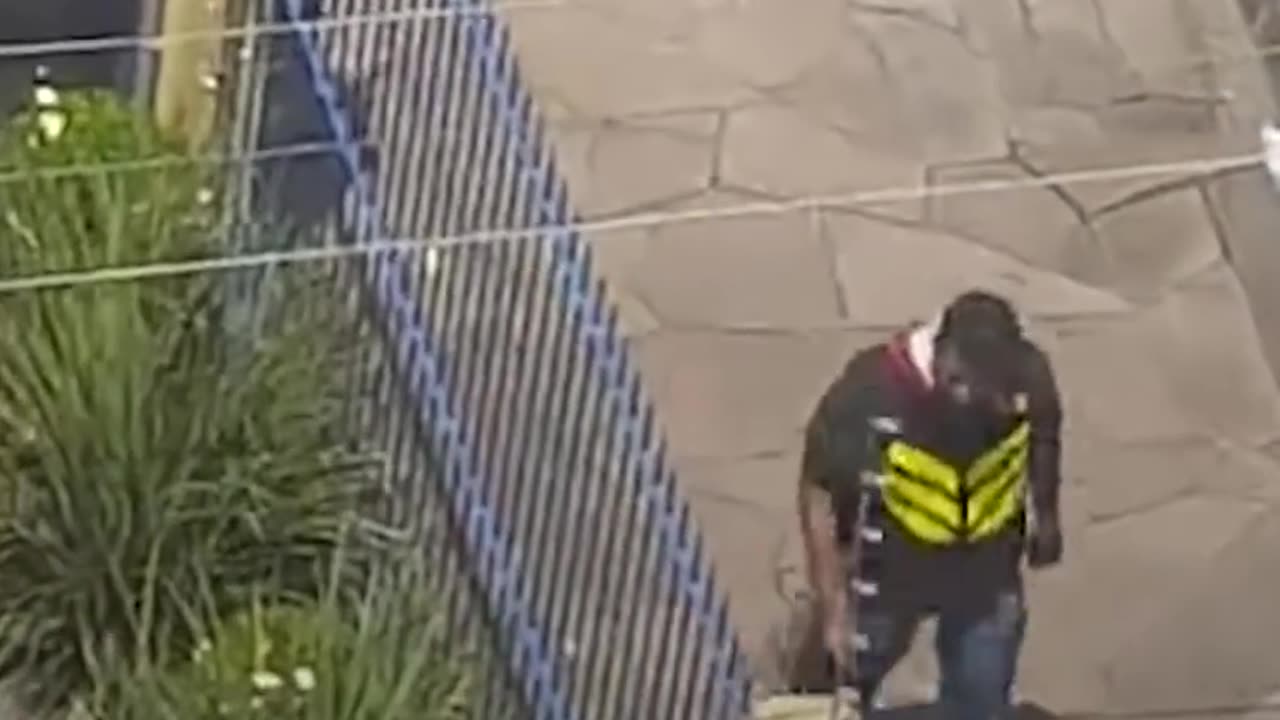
(291, 150)
(267, 29)
(71, 46)
(594, 229)
(124, 42)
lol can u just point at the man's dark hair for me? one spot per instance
(985, 331)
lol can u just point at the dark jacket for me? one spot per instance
(839, 446)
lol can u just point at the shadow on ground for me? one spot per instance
(1025, 711)
(1034, 711)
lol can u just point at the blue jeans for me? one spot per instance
(977, 656)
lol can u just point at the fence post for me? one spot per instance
(189, 74)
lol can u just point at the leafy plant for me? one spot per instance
(381, 658)
(110, 190)
(155, 478)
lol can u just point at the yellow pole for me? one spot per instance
(188, 80)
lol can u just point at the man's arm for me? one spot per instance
(1045, 462)
(834, 457)
(816, 506)
(1045, 414)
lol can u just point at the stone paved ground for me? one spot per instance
(1139, 288)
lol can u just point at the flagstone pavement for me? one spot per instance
(1149, 290)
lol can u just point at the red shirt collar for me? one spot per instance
(902, 370)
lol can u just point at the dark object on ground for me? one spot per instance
(1024, 711)
(803, 662)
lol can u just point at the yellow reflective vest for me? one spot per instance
(942, 505)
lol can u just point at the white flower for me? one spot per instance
(51, 124)
(264, 680)
(304, 678)
(203, 648)
(46, 96)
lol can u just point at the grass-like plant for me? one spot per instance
(377, 654)
(157, 475)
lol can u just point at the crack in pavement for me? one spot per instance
(873, 46)
(871, 7)
(1164, 187)
(1218, 223)
(1057, 189)
(828, 243)
(728, 499)
(1026, 20)
(715, 173)
(1103, 519)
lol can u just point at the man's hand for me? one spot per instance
(1044, 548)
(835, 632)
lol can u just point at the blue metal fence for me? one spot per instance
(524, 453)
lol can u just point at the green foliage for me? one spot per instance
(110, 190)
(382, 658)
(153, 479)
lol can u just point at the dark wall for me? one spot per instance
(26, 21)
(303, 187)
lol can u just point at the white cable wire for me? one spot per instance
(881, 196)
(126, 42)
(1271, 152)
(284, 151)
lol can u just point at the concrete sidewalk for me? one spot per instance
(1140, 287)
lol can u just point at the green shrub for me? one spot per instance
(383, 659)
(111, 190)
(154, 479)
